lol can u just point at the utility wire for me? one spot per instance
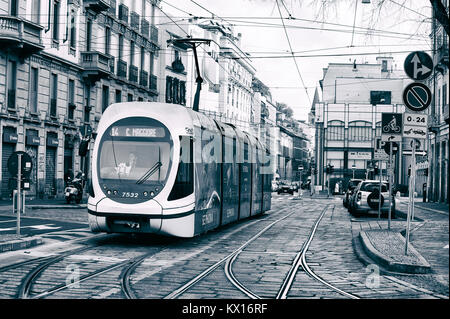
(292, 52)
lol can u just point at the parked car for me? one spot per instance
(286, 187)
(275, 186)
(365, 198)
(350, 188)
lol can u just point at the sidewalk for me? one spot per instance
(13, 242)
(387, 248)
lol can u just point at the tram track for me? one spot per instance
(178, 292)
(25, 290)
(299, 261)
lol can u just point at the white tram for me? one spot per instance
(163, 168)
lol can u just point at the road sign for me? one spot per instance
(417, 96)
(26, 167)
(415, 125)
(418, 65)
(394, 147)
(379, 154)
(391, 127)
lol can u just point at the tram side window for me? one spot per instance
(184, 182)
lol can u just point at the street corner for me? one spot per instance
(11, 242)
(388, 249)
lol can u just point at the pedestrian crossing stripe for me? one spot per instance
(446, 247)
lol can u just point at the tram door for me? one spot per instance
(245, 179)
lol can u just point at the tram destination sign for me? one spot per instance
(135, 131)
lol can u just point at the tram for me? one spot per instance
(166, 169)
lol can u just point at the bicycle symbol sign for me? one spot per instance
(391, 127)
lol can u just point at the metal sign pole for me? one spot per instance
(411, 194)
(390, 184)
(379, 196)
(19, 200)
(413, 173)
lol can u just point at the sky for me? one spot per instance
(317, 32)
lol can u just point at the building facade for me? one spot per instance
(437, 161)
(62, 63)
(348, 119)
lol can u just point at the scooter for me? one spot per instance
(74, 189)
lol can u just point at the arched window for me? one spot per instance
(335, 130)
(359, 131)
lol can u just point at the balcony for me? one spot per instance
(441, 57)
(433, 124)
(134, 20)
(143, 79)
(96, 65)
(154, 34)
(112, 7)
(133, 75)
(20, 35)
(112, 63)
(121, 68)
(97, 5)
(145, 28)
(123, 13)
(153, 84)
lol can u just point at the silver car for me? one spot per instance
(365, 198)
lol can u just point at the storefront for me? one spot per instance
(9, 142)
(32, 142)
(50, 164)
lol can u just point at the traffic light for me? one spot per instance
(375, 170)
(331, 169)
(425, 172)
(327, 169)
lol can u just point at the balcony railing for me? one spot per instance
(17, 33)
(133, 76)
(96, 65)
(97, 5)
(143, 79)
(121, 68)
(154, 34)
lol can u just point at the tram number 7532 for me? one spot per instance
(130, 195)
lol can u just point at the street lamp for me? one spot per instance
(353, 168)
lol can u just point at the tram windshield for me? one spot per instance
(140, 161)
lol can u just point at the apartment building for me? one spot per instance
(61, 64)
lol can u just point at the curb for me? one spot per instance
(19, 244)
(404, 215)
(391, 265)
(81, 206)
